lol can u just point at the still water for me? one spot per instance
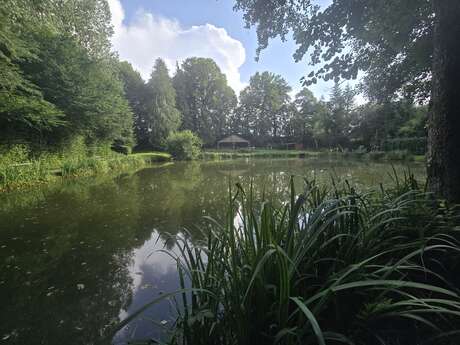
(79, 256)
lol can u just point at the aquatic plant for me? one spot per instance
(333, 266)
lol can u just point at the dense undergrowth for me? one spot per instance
(333, 266)
(20, 167)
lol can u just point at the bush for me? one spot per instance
(184, 145)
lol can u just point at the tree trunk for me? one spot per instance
(443, 157)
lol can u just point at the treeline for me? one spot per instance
(197, 98)
(268, 116)
(59, 81)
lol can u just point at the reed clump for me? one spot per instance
(332, 266)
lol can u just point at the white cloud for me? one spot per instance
(149, 36)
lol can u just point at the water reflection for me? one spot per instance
(77, 257)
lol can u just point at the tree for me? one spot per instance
(162, 116)
(89, 92)
(264, 102)
(204, 98)
(58, 78)
(377, 123)
(444, 121)
(402, 46)
(135, 92)
(301, 121)
(88, 21)
(24, 113)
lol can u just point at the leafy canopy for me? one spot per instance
(389, 40)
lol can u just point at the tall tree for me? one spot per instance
(204, 98)
(135, 92)
(88, 21)
(444, 120)
(402, 45)
(24, 113)
(376, 123)
(89, 92)
(60, 79)
(265, 101)
(301, 121)
(163, 118)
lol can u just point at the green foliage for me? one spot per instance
(23, 111)
(153, 157)
(376, 155)
(204, 98)
(162, 116)
(400, 155)
(135, 92)
(332, 266)
(184, 145)
(263, 109)
(58, 77)
(412, 145)
(377, 126)
(21, 168)
(16, 169)
(390, 40)
(88, 91)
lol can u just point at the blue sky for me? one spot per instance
(177, 29)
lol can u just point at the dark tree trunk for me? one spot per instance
(443, 158)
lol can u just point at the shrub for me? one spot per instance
(184, 145)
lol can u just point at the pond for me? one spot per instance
(77, 257)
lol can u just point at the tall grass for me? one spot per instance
(18, 170)
(19, 167)
(333, 266)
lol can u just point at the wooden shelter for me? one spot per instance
(234, 141)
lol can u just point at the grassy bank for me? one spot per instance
(333, 266)
(19, 168)
(262, 153)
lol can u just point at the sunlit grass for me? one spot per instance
(334, 154)
(19, 168)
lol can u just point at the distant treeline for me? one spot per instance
(59, 80)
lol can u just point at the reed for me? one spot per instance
(332, 266)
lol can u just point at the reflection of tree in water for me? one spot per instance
(64, 268)
(64, 265)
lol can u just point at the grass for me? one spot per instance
(332, 266)
(19, 168)
(153, 157)
(263, 153)
(257, 153)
